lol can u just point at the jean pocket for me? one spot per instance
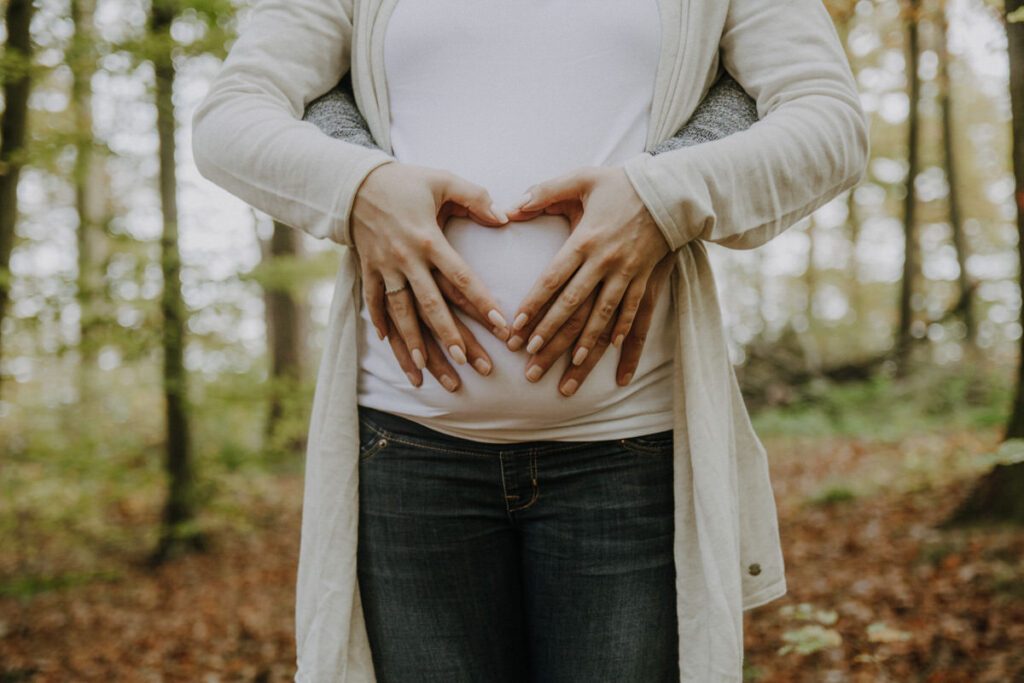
(657, 442)
(372, 439)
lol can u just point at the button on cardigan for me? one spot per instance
(810, 144)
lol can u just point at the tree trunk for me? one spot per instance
(910, 265)
(999, 495)
(179, 510)
(285, 335)
(1015, 35)
(949, 146)
(90, 188)
(13, 136)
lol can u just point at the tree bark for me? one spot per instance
(179, 509)
(999, 495)
(1015, 36)
(285, 334)
(90, 188)
(13, 137)
(949, 148)
(910, 262)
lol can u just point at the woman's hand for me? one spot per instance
(631, 348)
(614, 242)
(437, 364)
(397, 216)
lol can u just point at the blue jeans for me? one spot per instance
(539, 561)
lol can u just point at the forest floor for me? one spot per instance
(877, 591)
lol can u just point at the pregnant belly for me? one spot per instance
(509, 260)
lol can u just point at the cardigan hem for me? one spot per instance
(767, 594)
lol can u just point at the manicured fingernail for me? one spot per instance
(497, 318)
(457, 354)
(535, 343)
(380, 333)
(525, 199)
(499, 214)
(448, 382)
(514, 343)
(520, 320)
(629, 376)
(417, 359)
(482, 366)
(534, 372)
(412, 379)
(580, 354)
(617, 342)
(569, 388)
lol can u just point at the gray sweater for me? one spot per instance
(726, 109)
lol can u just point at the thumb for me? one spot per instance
(564, 188)
(472, 200)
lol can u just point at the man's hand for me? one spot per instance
(614, 244)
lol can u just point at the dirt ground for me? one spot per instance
(876, 591)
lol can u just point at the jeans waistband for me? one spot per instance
(401, 425)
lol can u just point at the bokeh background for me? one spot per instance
(159, 339)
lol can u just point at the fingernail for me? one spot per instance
(417, 359)
(380, 334)
(499, 214)
(457, 354)
(514, 343)
(497, 318)
(482, 366)
(617, 342)
(535, 343)
(412, 379)
(448, 382)
(629, 376)
(580, 354)
(534, 372)
(569, 388)
(525, 199)
(520, 321)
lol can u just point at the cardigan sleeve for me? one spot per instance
(248, 135)
(810, 144)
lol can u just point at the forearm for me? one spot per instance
(810, 144)
(246, 134)
(725, 110)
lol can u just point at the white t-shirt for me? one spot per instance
(508, 94)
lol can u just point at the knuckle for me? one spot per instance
(572, 298)
(549, 281)
(583, 245)
(431, 305)
(606, 309)
(460, 278)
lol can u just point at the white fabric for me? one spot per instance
(506, 109)
(811, 144)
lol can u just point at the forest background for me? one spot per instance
(159, 340)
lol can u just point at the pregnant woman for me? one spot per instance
(572, 523)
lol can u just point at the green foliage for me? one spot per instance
(832, 495)
(885, 408)
(810, 637)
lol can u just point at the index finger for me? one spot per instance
(562, 266)
(462, 277)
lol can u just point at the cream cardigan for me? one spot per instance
(810, 144)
